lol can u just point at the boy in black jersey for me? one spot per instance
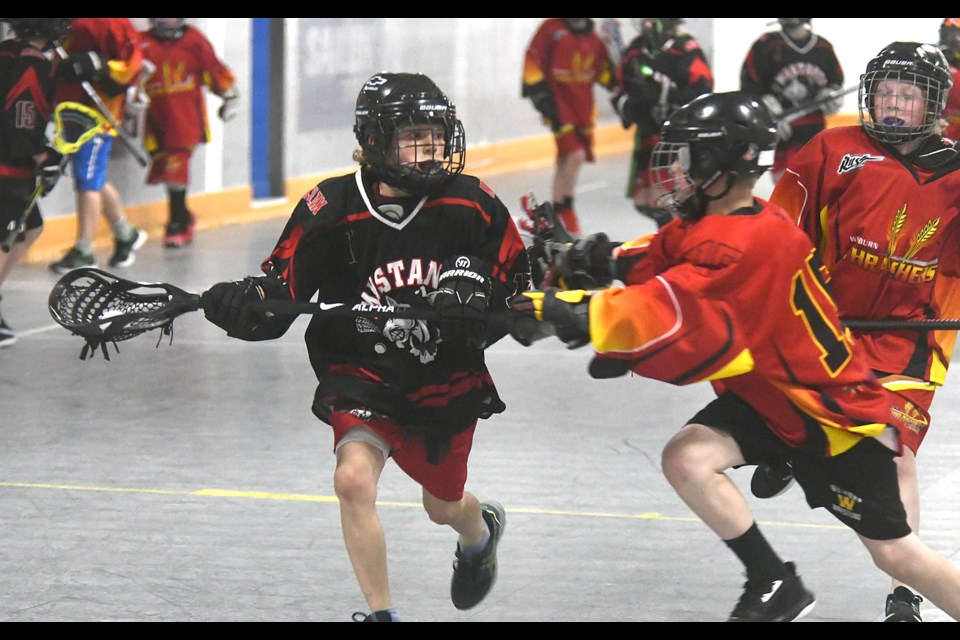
(408, 230)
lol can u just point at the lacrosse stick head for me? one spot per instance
(75, 124)
(104, 309)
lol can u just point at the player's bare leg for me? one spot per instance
(359, 466)
(909, 561)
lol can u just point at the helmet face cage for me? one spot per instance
(653, 32)
(714, 136)
(43, 28)
(882, 87)
(171, 28)
(416, 164)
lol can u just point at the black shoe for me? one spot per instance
(770, 481)
(73, 259)
(903, 605)
(376, 616)
(782, 600)
(7, 336)
(125, 251)
(474, 577)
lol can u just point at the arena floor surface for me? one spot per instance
(190, 482)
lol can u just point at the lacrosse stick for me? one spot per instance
(74, 125)
(903, 325)
(545, 237)
(105, 309)
(612, 37)
(136, 150)
(807, 109)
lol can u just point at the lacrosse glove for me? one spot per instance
(228, 110)
(543, 101)
(588, 264)
(83, 67)
(229, 306)
(48, 173)
(538, 314)
(462, 301)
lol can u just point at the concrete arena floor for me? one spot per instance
(190, 482)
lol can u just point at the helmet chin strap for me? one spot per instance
(695, 207)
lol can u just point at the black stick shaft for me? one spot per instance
(899, 325)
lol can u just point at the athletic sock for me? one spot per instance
(756, 554)
(472, 552)
(123, 230)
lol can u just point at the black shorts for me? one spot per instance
(858, 487)
(14, 198)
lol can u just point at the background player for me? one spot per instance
(104, 52)
(950, 45)
(186, 67)
(27, 85)
(791, 69)
(662, 68)
(564, 61)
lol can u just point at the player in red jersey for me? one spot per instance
(103, 56)
(186, 67)
(791, 69)
(564, 61)
(663, 68)
(702, 301)
(394, 234)
(881, 201)
(950, 45)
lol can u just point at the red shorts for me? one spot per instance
(571, 139)
(916, 411)
(170, 167)
(445, 480)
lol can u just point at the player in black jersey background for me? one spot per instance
(791, 69)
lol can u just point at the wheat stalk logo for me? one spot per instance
(925, 235)
(898, 221)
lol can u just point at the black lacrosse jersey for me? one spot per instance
(27, 84)
(794, 73)
(347, 244)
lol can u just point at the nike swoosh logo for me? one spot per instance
(765, 598)
(326, 307)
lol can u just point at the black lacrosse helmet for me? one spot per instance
(654, 32)
(922, 65)
(579, 25)
(388, 101)
(48, 29)
(168, 28)
(786, 23)
(715, 135)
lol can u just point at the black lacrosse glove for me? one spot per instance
(232, 306)
(83, 67)
(588, 264)
(543, 101)
(48, 173)
(462, 300)
(538, 314)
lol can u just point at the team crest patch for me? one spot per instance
(856, 162)
(315, 200)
